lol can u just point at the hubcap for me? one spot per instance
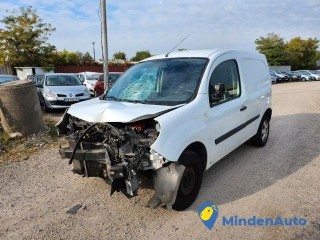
(187, 181)
(265, 130)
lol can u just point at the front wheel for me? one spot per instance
(261, 137)
(190, 182)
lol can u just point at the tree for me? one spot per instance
(273, 47)
(87, 59)
(23, 40)
(302, 54)
(68, 58)
(120, 55)
(140, 56)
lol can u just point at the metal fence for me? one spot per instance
(95, 68)
(6, 70)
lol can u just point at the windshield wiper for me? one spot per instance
(113, 98)
(134, 101)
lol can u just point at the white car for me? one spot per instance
(174, 115)
(309, 75)
(89, 79)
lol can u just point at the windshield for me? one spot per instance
(94, 77)
(162, 82)
(62, 80)
(113, 77)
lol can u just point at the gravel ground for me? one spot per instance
(280, 179)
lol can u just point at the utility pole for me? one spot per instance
(104, 43)
(94, 52)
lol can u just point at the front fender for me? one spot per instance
(182, 127)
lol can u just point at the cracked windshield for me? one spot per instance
(164, 82)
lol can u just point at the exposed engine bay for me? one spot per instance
(120, 153)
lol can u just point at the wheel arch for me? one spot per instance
(268, 113)
(200, 149)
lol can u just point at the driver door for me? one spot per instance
(227, 114)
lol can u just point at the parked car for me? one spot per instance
(35, 78)
(296, 76)
(8, 78)
(281, 76)
(60, 90)
(289, 74)
(306, 75)
(99, 86)
(275, 78)
(174, 115)
(315, 74)
(89, 79)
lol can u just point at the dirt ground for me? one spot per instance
(281, 179)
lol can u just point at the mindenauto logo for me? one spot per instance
(208, 213)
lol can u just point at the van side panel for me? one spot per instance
(255, 73)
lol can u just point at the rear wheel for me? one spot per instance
(261, 138)
(190, 182)
(303, 79)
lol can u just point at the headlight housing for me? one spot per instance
(50, 93)
(86, 92)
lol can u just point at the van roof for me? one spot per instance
(205, 53)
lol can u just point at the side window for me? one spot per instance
(224, 83)
(81, 77)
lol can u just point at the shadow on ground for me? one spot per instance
(293, 143)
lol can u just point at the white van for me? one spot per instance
(174, 116)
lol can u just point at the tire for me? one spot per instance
(303, 79)
(261, 137)
(190, 182)
(44, 107)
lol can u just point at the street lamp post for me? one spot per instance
(94, 52)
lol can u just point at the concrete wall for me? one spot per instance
(23, 72)
(280, 68)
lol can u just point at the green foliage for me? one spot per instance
(302, 54)
(5, 140)
(23, 40)
(298, 53)
(73, 58)
(140, 56)
(273, 47)
(120, 55)
(87, 59)
(51, 128)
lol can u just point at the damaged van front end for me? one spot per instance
(120, 153)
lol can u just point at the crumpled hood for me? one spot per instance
(99, 111)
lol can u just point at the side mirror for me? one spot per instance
(102, 97)
(216, 92)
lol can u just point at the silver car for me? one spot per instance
(60, 90)
(307, 75)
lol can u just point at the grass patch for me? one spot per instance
(17, 149)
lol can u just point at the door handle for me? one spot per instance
(243, 108)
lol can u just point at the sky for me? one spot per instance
(158, 25)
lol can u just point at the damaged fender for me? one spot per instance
(166, 184)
